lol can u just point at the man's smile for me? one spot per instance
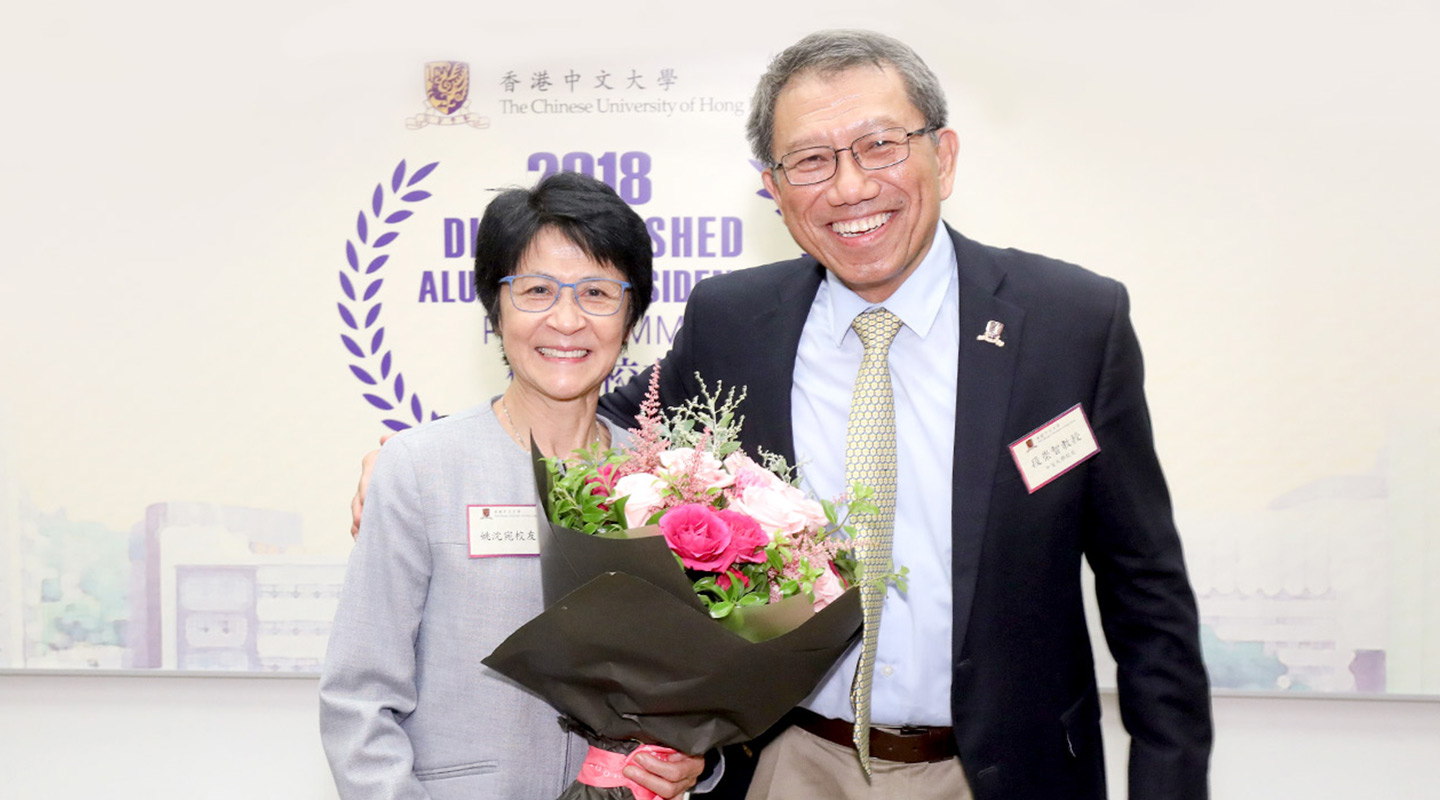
(864, 225)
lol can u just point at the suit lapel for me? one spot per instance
(986, 374)
(775, 327)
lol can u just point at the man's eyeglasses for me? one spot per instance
(598, 297)
(872, 151)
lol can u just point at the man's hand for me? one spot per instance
(669, 777)
(357, 503)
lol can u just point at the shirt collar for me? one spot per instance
(916, 302)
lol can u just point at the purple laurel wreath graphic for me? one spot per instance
(364, 339)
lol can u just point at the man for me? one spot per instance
(986, 656)
(982, 674)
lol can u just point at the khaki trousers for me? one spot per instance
(799, 765)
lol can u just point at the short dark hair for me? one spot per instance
(827, 53)
(583, 210)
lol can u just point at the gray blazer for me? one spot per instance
(406, 708)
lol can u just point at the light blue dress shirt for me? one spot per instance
(913, 663)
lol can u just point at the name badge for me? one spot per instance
(503, 531)
(1054, 448)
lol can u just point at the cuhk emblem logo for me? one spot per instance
(447, 85)
(447, 93)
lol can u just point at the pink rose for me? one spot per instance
(785, 509)
(747, 538)
(747, 473)
(827, 587)
(699, 536)
(708, 471)
(643, 489)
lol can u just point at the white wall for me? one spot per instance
(79, 738)
(1318, 749)
(114, 738)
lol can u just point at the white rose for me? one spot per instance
(785, 509)
(827, 588)
(643, 491)
(709, 472)
(747, 473)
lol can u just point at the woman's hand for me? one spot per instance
(669, 777)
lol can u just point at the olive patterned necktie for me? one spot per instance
(870, 460)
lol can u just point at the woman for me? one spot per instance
(443, 569)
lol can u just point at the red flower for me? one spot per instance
(724, 580)
(699, 536)
(747, 539)
(603, 483)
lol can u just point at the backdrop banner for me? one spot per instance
(235, 257)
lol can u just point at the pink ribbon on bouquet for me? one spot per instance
(604, 769)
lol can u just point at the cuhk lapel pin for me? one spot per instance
(993, 329)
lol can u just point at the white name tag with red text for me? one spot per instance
(1054, 448)
(502, 531)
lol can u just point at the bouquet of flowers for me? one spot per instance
(694, 595)
(742, 530)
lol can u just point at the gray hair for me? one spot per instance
(826, 53)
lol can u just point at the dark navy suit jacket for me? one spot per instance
(1024, 701)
